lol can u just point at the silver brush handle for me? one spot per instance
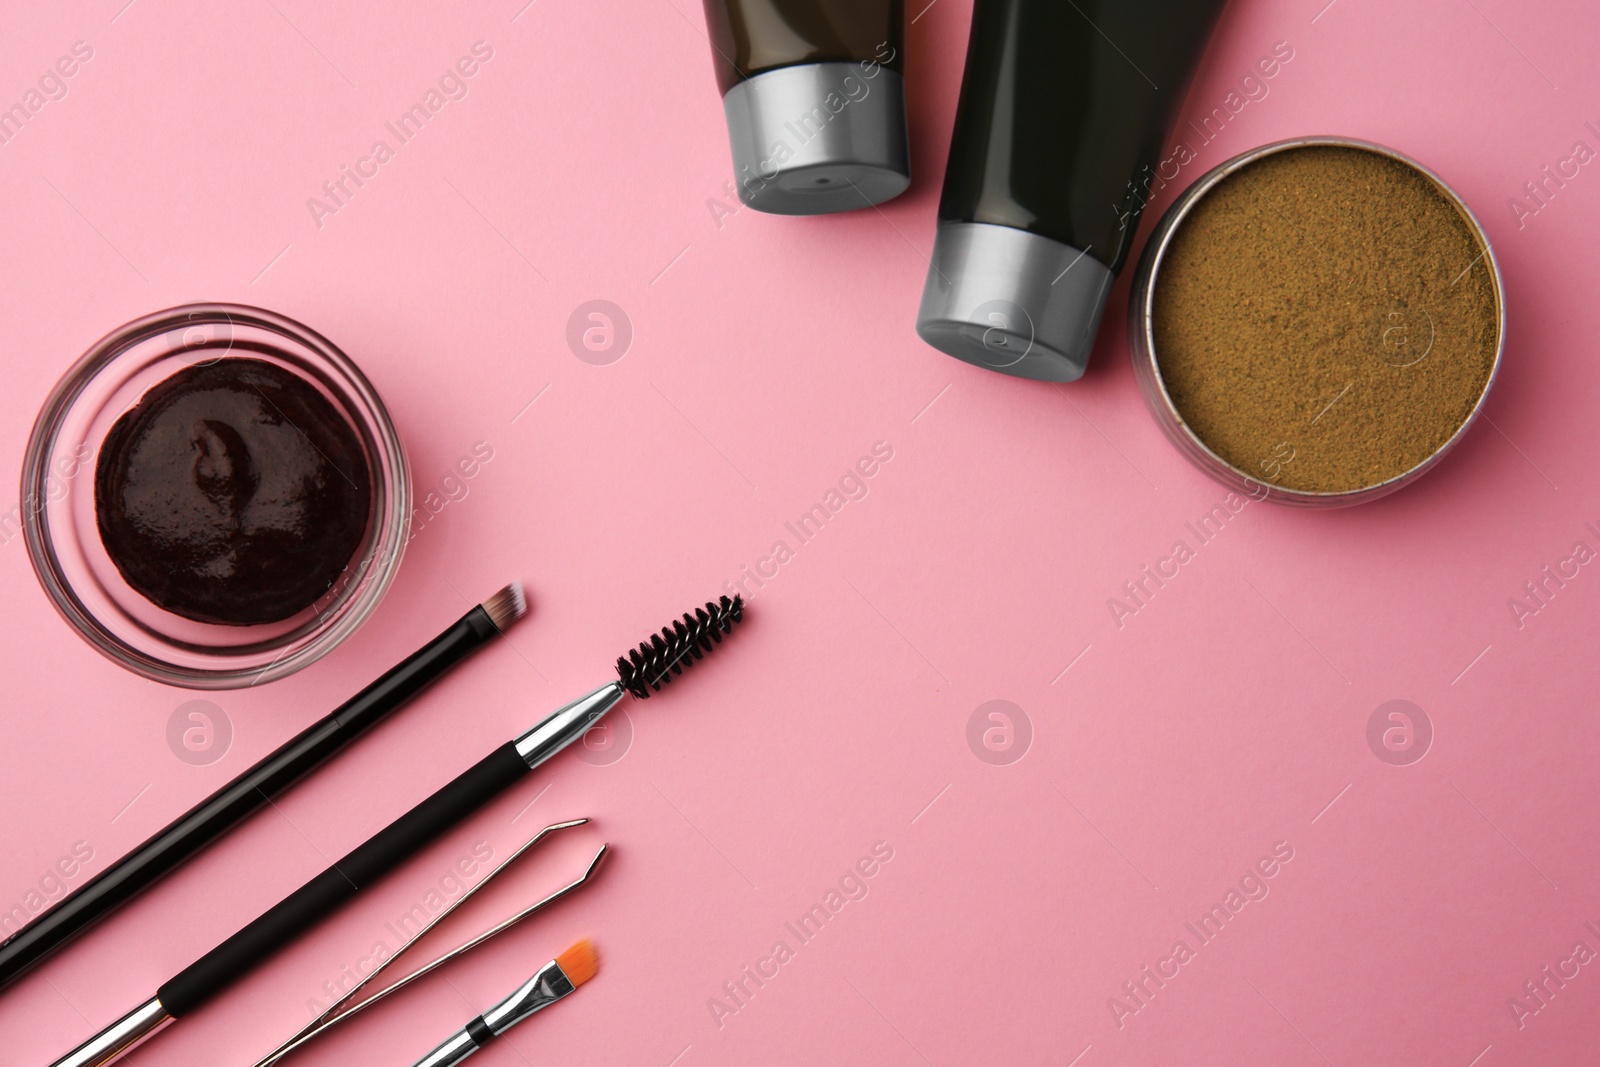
(453, 1051)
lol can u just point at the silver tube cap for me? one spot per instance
(819, 138)
(1013, 301)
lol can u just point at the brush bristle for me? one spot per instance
(579, 963)
(506, 606)
(680, 645)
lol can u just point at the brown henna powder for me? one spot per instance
(1325, 319)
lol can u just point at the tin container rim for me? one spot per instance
(1147, 367)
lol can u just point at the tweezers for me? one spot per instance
(342, 1009)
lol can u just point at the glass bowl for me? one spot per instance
(58, 507)
(1147, 365)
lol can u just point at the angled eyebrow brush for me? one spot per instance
(557, 979)
(644, 670)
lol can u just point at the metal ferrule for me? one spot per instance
(539, 992)
(120, 1038)
(561, 728)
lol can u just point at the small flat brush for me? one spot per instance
(555, 980)
(643, 671)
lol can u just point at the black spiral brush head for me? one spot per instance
(685, 642)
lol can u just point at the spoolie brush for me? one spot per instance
(680, 645)
(645, 670)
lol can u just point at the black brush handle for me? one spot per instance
(324, 894)
(228, 806)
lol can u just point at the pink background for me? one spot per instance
(768, 355)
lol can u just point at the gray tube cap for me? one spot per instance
(819, 138)
(1013, 301)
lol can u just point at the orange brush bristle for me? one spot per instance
(579, 962)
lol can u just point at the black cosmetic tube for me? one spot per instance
(1057, 141)
(815, 102)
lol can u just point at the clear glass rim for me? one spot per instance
(391, 494)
